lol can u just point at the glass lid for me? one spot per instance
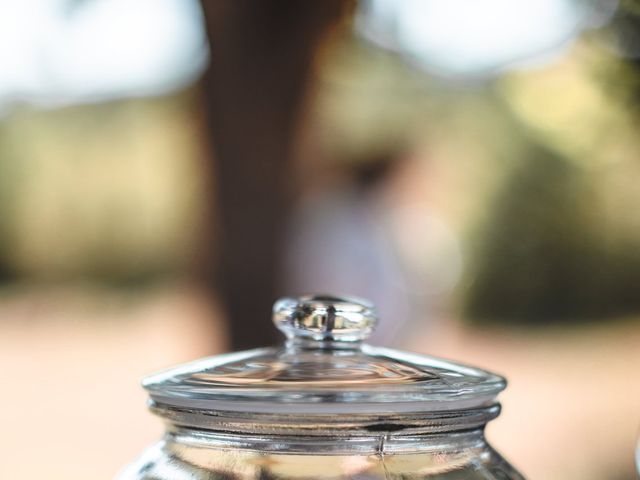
(323, 368)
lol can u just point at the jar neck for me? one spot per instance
(471, 442)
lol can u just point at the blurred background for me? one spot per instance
(168, 168)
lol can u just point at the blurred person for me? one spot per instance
(357, 237)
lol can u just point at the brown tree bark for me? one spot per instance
(261, 59)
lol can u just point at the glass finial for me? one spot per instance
(325, 318)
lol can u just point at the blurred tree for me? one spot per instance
(537, 248)
(624, 34)
(262, 54)
(543, 256)
(6, 272)
(553, 249)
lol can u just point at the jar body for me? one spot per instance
(186, 454)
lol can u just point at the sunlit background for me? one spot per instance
(472, 167)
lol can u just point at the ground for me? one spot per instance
(72, 360)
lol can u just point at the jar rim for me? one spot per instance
(360, 425)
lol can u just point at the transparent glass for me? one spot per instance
(323, 405)
(324, 367)
(189, 454)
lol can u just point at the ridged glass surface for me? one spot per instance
(309, 370)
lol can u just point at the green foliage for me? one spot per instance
(542, 258)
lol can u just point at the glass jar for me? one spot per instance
(323, 405)
(638, 456)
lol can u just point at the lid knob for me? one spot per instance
(325, 318)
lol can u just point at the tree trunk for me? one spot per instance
(261, 60)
